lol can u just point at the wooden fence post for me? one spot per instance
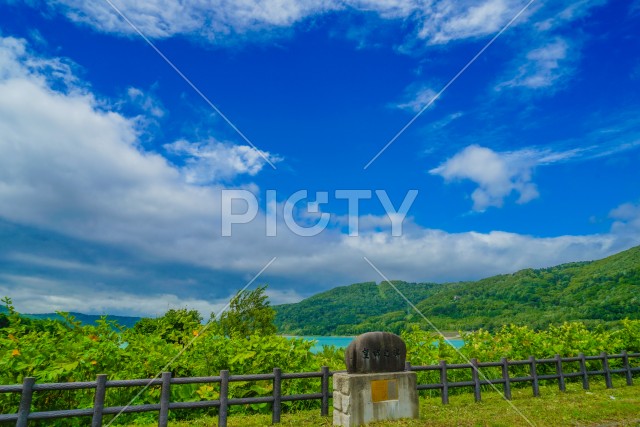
(534, 377)
(476, 380)
(583, 370)
(276, 407)
(505, 376)
(98, 400)
(627, 367)
(224, 398)
(25, 401)
(605, 368)
(324, 409)
(407, 366)
(561, 383)
(443, 380)
(165, 397)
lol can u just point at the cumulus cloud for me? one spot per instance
(71, 166)
(213, 161)
(626, 218)
(626, 223)
(542, 67)
(497, 175)
(500, 174)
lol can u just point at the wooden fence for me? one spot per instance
(534, 375)
(29, 386)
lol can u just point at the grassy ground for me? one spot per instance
(599, 406)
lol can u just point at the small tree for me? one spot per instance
(249, 313)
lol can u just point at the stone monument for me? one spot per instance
(375, 387)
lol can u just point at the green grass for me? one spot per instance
(599, 406)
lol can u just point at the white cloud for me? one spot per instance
(626, 212)
(14, 62)
(147, 103)
(32, 294)
(474, 255)
(448, 20)
(388, 8)
(213, 161)
(438, 21)
(561, 13)
(210, 19)
(626, 219)
(216, 21)
(542, 67)
(417, 97)
(497, 175)
(424, 255)
(446, 120)
(71, 166)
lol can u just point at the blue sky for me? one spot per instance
(112, 165)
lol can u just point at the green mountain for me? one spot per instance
(85, 319)
(593, 292)
(336, 311)
(88, 319)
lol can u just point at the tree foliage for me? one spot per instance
(249, 314)
(175, 326)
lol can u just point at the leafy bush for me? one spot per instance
(62, 351)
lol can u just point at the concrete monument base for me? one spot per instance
(359, 399)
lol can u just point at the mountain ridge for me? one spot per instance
(84, 319)
(595, 292)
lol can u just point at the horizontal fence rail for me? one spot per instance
(165, 381)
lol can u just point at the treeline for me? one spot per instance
(595, 293)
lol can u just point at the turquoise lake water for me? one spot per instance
(343, 342)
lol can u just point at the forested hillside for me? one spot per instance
(336, 311)
(594, 292)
